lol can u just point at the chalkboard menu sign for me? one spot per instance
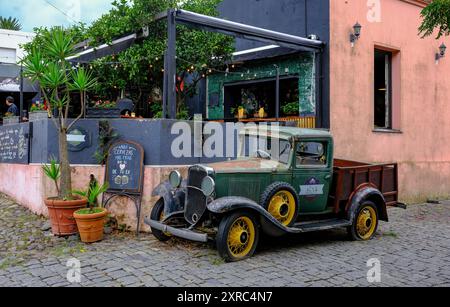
(14, 144)
(125, 167)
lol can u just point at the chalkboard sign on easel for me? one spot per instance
(15, 144)
(125, 174)
(124, 167)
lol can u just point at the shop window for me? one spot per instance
(256, 94)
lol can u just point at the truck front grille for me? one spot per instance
(196, 201)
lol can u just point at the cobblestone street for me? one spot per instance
(414, 250)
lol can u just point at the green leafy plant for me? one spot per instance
(105, 104)
(46, 63)
(107, 135)
(38, 107)
(92, 194)
(10, 23)
(53, 171)
(234, 111)
(291, 108)
(436, 16)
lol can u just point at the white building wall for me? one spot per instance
(10, 42)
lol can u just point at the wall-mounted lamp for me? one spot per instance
(441, 54)
(356, 33)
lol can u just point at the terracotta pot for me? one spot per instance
(61, 215)
(91, 226)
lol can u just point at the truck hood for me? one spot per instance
(247, 166)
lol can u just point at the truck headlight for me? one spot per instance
(208, 186)
(175, 179)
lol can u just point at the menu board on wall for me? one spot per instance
(125, 167)
(14, 144)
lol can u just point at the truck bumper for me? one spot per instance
(180, 233)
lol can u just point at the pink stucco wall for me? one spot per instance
(422, 104)
(28, 186)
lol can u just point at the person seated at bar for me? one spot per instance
(12, 108)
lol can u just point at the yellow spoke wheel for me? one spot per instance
(283, 207)
(366, 222)
(241, 237)
(237, 237)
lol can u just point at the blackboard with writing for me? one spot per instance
(125, 167)
(14, 144)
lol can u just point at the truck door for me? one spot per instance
(312, 174)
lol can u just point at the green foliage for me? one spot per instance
(291, 108)
(37, 107)
(92, 194)
(82, 80)
(436, 16)
(107, 136)
(10, 23)
(141, 65)
(52, 171)
(46, 63)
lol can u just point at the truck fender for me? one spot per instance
(269, 224)
(173, 199)
(367, 193)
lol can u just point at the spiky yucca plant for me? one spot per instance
(58, 79)
(10, 23)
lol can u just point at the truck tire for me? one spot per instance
(238, 236)
(158, 215)
(281, 201)
(366, 222)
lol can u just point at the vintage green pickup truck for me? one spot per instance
(303, 189)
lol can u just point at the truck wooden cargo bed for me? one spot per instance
(349, 176)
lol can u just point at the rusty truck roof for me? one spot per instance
(287, 132)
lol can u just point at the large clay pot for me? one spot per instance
(61, 215)
(91, 226)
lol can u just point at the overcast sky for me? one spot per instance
(35, 13)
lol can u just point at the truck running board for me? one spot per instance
(321, 225)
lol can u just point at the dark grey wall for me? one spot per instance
(296, 17)
(154, 135)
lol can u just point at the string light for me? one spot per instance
(192, 66)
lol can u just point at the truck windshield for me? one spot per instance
(278, 150)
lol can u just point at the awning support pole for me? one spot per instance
(171, 65)
(165, 94)
(277, 98)
(21, 93)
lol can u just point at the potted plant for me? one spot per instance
(91, 220)
(58, 78)
(239, 112)
(291, 108)
(38, 111)
(61, 210)
(103, 109)
(10, 119)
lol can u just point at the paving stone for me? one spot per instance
(414, 250)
